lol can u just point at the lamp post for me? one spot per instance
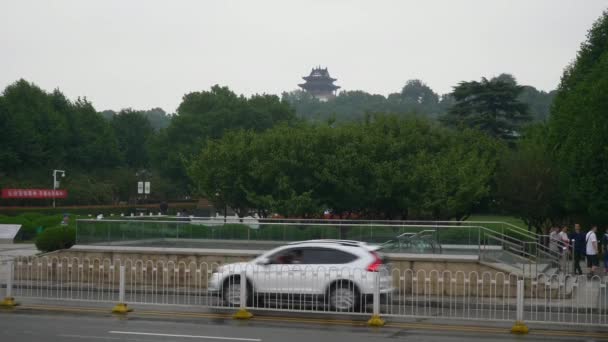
(56, 183)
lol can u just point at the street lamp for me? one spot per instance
(56, 183)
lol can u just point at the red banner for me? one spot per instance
(34, 193)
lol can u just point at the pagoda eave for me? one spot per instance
(309, 87)
(315, 78)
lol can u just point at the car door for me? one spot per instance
(320, 266)
(282, 274)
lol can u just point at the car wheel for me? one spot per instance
(231, 291)
(344, 298)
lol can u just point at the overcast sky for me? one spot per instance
(144, 54)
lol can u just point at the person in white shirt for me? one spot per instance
(565, 241)
(592, 251)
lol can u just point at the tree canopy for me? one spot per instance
(492, 106)
(414, 98)
(209, 115)
(578, 128)
(385, 168)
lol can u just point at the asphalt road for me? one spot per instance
(85, 324)
(424, 306)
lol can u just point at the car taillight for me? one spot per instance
(374, 266)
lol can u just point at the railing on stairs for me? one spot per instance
(424, 241)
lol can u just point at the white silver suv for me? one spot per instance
(338, 273)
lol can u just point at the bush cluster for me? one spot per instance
(55, 238)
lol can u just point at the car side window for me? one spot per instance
(287, 257)
(326, 256)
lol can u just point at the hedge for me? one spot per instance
(55, 238)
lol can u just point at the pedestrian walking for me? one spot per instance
(592, 251)
(564, 248)
(554, 240)
(554, 246)
(578, 239)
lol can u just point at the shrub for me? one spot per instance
(31, 216)
(48, 221)
(30, 223)
(55, 238)
(27, 232)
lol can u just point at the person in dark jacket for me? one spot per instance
(164, 207)
(579, 247)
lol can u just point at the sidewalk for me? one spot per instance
(17, 249)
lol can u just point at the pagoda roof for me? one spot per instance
(319, 82)
(319, 73)
(315, 85)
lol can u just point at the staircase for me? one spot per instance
(512, 249)
(526, 258)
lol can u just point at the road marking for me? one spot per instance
(186, 336)
(94, 337)
(422, 326)
(101, 337)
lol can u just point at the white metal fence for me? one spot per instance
(389, 292)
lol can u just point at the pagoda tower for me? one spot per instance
(319, 84)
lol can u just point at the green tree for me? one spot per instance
(386, 167)
(133, 133)
(528, 181)
(539, 102)
(305, 105)
(416, 97)
(578, 128)
(221, 172)
(491, 106)
(158, 118)
(10, 157)
(209, 115)
(37, 132)
(91, 141)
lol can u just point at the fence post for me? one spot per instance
(243, 313)
(8, 300)
(574, 258)
(478, 239)
(520, 327)
(376, 321)
(121, 307)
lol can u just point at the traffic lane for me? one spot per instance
(60, 326)
(449, 310)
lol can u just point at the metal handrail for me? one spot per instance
(414, 235)
(337, 221)
(481, 230)
(518, 247)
